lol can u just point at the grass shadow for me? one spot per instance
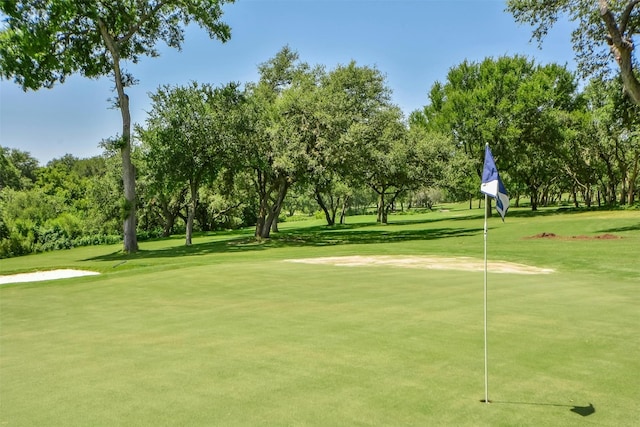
(621, 229)
(584, 411)
(315, 236)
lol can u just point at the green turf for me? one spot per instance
(226, 333)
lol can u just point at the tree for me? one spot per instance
(511, 104)
(347, 95)
(280, 111)
(615, 149)
(387, 157)
(18, 168)
(605, 31)
(190, 130)
(9, 173)
(44, 42)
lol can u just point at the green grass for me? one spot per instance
(225, 333)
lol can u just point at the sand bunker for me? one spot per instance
(426, 262)
(44, 275)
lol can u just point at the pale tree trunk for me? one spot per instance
(129, 182)
(128, 172)
(622, 46)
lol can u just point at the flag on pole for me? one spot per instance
(492, 185)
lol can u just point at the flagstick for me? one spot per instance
(486, 369)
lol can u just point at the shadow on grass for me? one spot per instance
(621, 229)
(584, 411)
(306, 237)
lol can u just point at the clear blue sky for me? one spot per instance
(413, 42)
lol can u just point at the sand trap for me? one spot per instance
(426, 262)
(44, 275)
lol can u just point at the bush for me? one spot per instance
(67, 223)
(13, 246)
(97, 239)
(53, 238)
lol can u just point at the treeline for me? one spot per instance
(305, 139)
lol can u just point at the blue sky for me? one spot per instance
(413, 42)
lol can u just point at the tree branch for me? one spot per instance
(626, 15)
(622, 49)
(610, 23)
(144, 18)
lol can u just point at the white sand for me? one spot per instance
(44, 275)
(427, 262)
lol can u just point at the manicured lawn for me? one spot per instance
(226, 333)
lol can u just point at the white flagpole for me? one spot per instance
(486, 369)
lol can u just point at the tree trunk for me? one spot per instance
(330, 221)
(261, 187)
(276, 218)
(271, 211)
(345, 203)
(622, 49)
(385, 216)
(129, 182)
(632, 179)
(169, 222)
(381, 208)
(487, 207)
(534, 199)
(170, 211)
(192, 211)
(128, 172)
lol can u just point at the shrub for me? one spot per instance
(12, 246)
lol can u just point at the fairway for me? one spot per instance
(231, 332)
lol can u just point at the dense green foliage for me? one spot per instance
(603, 34)
(308, 141)
(548, 138)
(44, 42)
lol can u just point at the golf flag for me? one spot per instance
(492, 184)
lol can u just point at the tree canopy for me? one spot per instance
(46, 41)
(605, 31)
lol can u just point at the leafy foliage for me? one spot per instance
(604, 31)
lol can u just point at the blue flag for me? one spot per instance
(492, 185)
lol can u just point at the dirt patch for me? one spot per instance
(39, 276)
(545, 235)
(426, 262)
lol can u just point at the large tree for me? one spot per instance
(17, 168)
(283, 124)
(389, 158)
(43, 42)
(347, 95)
(510, 103)
(615, 147)
(190, 130)
(605, 31)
